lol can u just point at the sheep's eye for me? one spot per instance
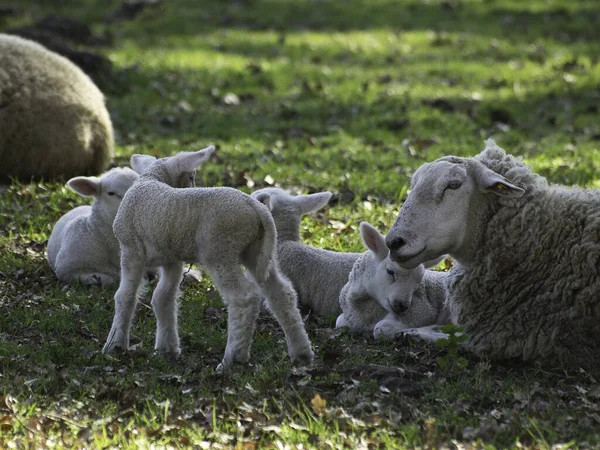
(454, 184)
(391, 273)
(111, 193)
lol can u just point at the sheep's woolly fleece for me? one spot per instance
(532, 291)
(53, 120)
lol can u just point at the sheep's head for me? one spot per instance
(107, 190)
(434, 219)
(178, 171)
(391, 285)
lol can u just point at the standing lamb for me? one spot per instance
(82, 246)
(318, 275)
(220, 229)
(527, 278)
(384, 299)
(53, 120)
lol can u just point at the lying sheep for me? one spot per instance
(82, 246)
(53, 120)
(318, 275)
(384, 299)
(218, 228)
(527, 278)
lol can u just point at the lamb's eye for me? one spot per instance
(391, 273)
(454, 184)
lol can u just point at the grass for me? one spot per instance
(347, 96)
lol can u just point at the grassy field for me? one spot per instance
(349, 96)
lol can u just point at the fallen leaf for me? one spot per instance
(318, 404)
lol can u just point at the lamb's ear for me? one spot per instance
(373, 240)
(490, 182)
(188, 161)
(140, 163)
(86, 186)
(264, 198)
(312, 202)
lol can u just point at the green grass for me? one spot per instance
(348, 96)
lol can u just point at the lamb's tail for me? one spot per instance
(266, 254)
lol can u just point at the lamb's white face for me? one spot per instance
(113, 186)
(391, 285)
(108, 190)
(433, 220)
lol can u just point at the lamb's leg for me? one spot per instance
(243, 302)
(431, 333)
(389, 327)
(164, 303)
(132, 273)
(283, 303)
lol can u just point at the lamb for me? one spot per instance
(161, 226)
(82, 247)
(382, 298)
(527, 276)
(53, 119)
(317, 275)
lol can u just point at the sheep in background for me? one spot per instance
(527, 275)
(53, 120)
(159, 225)
(382, 298)
(82, 246)
(318, 275)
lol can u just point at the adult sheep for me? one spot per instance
(527, 275)
(53, 120)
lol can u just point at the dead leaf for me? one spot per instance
(318, 404)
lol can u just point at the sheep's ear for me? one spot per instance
(86, 186)
(265, 199)
(188, 161)
(140, 163)
(490, 182)
(312, 202)
(373, 240)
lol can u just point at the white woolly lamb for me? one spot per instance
(220, 229)
(527, 278)
(82, 246)
(317, 275)
(384, 299)
(53, 120)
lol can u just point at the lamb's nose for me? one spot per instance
(394, 243)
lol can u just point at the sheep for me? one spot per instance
(218, 228)
(82, 246)
(382, 298)
(53, 120)
(527, 275)
(317, 275)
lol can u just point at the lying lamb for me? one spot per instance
(384, 299)
(82, 246)
(318, 275)
(53, 119)
(219, 228)
(527, 277)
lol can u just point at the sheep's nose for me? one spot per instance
(399, 307)
(395, 243)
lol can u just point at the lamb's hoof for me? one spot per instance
(341, 321)
(304, 358)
